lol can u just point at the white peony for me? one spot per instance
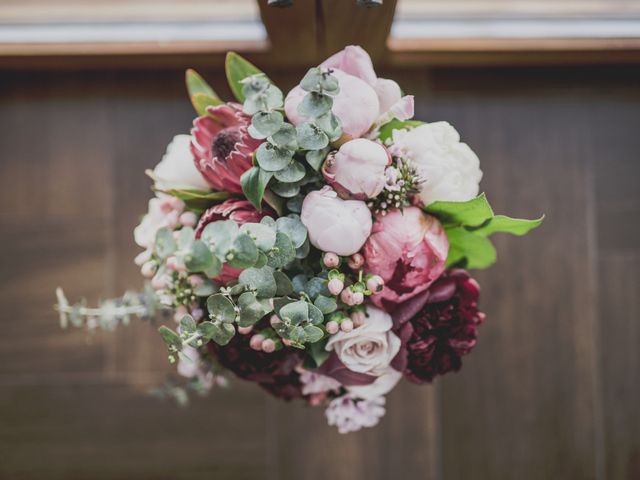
(369, 349)
(449, 168)
(177, 169)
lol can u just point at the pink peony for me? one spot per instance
(222, 147)
(240, 211)
(335, 225)
(358, 168)
(408, 249)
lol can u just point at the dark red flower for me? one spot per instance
(275, 372)
(445, 328)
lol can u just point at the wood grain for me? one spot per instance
(551, 390)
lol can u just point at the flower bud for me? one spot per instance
(176, 265)
(245, 330)
(356, 261)
(358, 298)
(346, 326)
(148, 269)
(332, 327)
(347, 296)
(268, 345)
(275, 320)
(331, 260)
(188, 219)
(159, 282)
(256, 342)
(375, 284)
(195, 280)
(197, 313)
(335, 286)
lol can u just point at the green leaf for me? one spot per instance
(272, 158)
(221, 333)
(313, 333)
(214, 269)
(201, 101)
(282, 253)
(165, 243)
(386, 131)
(473, 251)
(197, 86)
(237, 69)
(330, 124)
(261, 280)
(207, 288)
(285, 190)
(262, 259)
(284, 286)
(200, 258)
(285, 137)
(221, 308)
(292, 173)
(254, 182)
(310, 137)
(315, 315)
(293, 227)
(198, 200)
(325, 304)
(297, 334)
(315, 158)
(267, 123)
(314, 104)
(295, 312)
(263, 235)
(186, 237)
(471, 213)
(504, 224)
(318, 353)
(316, 286)
(245, 252)
(220, 235)
(251, 309)
(187, 324)
(170, 338)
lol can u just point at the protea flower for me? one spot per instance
(222, 147)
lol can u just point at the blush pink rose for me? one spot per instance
(335, 225)
(358, 169)
(240, 211)
(408, 249)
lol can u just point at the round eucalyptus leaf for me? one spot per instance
(315, 315)
(284, 286)
(200, 258)
(295, 312)
(313, 333)
(273, 97)
(297, 334)
(315, 104)
(263, 235)
(221, 308)
(312, 80)
(251, 309)
(285, 137)
(292, 173)
(262, 259)
(326, 304)
(267, 123)
(222, 333)
(165, 243)
(330, 124)
(303, 251)
(293, 227)
(315, 158)
(311, 137)
(244, 253)
(273, 158)
(220, 235)
(282, 253)
(285, 190)
(260, 280)
(295, 204)
(187, 324)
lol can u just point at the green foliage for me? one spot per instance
(200, 92)
(237, 69)
(468, 224)
(386, 130)
(197, 200)
(165, 243)
(254, 182)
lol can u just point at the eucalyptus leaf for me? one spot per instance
(295, 312)
(222, 333)
(282, 253)
(331, 125)
(310, 137)
(293, 172)
(315, 158)
(170, 338)
(313, 333)
(318, 353)
(221, 308)
(165, 243)
(303, 251)
(254, 182)
(262, 259)
(315, 104)
(244, 253)
(267, 123)
(199, 258)
(186, 237)
(285, 190)
(205, 289)
(285, 137)
(315, 315)
(214, 269)
(297, 334)
(273, 158)
(220, 235)
(251, 309)
(260, 280)
(263, 235)
(316, 286)
(237, 69)
(187, 324)
(293, 227)
(312, 80)
(326, 304)
(284, 286)
(294, 204)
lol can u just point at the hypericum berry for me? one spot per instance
(268, 346)
(256, 342)
(335, 286)
(346, 326)
(148, 269)
(275, 320)
(159, 282)
(356, 261)
(188, 219)
(197, 313)
(245, 330)
(195, 280)
(358, 298)
(330, 260)
(332, 327)
(176, 265)
(347, 296)
(358, 318)
(375, 284)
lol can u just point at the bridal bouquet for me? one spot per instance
(315, 242)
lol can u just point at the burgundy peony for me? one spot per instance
(222, 147)
(240, 211)
(275, 372)
(408, 250)
(445, 328)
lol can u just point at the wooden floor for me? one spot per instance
(551, 392)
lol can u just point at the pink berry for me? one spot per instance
(358, 317)
(358, 298)
(332, 327)
(148, 269)
(331, 260)
(174, 264)
(347, 296)
(268, 346)
(346, 326)
(375, 284)
(274, 320)
(256, 342)
(159, 282)
(245, 330)
(335, 286)
(197, 313)
(356, 261)
(195, 280)
(188, 219)
(286, 342)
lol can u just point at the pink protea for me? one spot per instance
(240, 211)
(222, 147)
